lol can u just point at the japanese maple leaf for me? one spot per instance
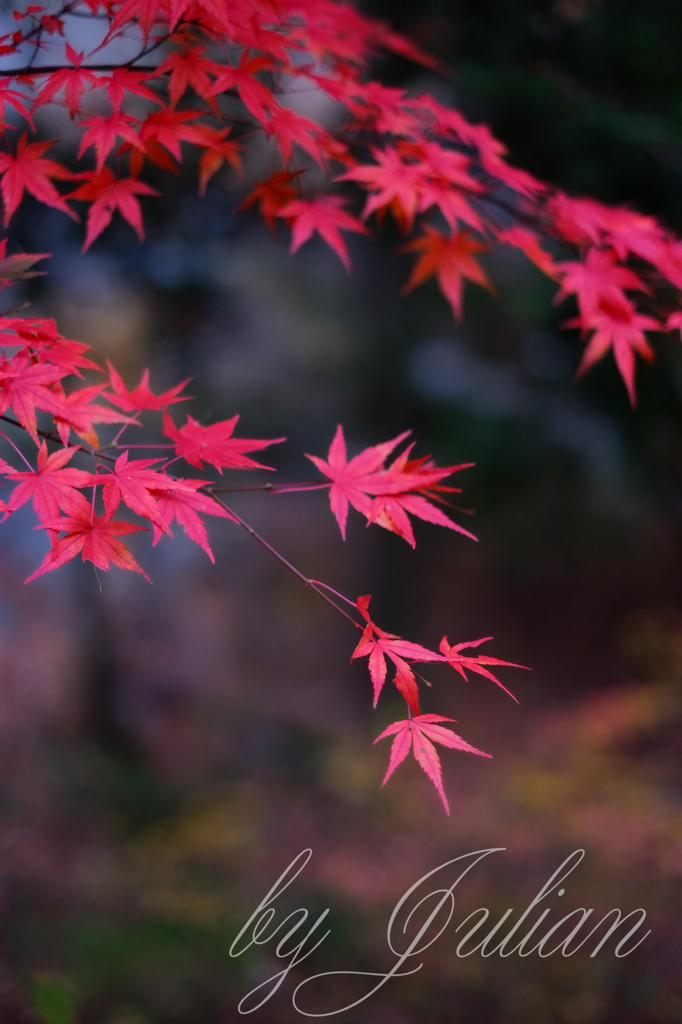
(404, 487)
(77, 410)
(377, 645)
(324, 215)
(94, 536)
(352, 482)
(450, 259)
(272, 195)
(132, 482)
(255, 96)
(189, 70)
(169, 128)
(102, 133)
(618, 326)
(107, 193)
(290, 128)
(73, 81)
(18, 267)
(392, 182)
(218, 149)
(214, 444)
(463, 662)
(598, 276)
(28, 169)
(419, 733)
(179, 500)
(123, 80)
(25, 387)
(141, 397)
(52, 487)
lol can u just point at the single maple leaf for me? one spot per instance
(218, 149)
(19, 266)
(73, 80)
(102, 133)
(419, 733)
(392, 183)
(179, 500)
(94, 536)
(51, 487)
(141, 398)
(122, 80)
(25, 386)
(189, 70)
(214, 444)
(617, 326)
(272, 195)
(352, 481)
(377, 645)
(168, 128)
(463, 662)
(28, 169)
(107, 193)
(450, 259)
(599, 276)
(255, 96)
(132, 482)
(77, 410)
(324, 215)
(405, 487)
(290, 128)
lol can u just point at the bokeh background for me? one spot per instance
(166, 751)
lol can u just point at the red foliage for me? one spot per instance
(443, 180)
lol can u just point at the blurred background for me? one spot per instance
(166, 751)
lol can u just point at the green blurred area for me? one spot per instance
(165, 752)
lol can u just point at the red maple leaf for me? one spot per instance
(28, 169)
(102, 134)
(78, 410)
(73, 81)
(214, 444)
(420, 733)
(618, 326)
(24, 386)
(141, 398)
(324, 215)
(404, 487)
(94, 536)
(132, 482)
(189, 70)
(52, 487)
(354, 481)
(272, 195)
(179, 500)
(377, 645)
(290, 129)
(218, 149)
(107, 193)
(463, 662)
(392, 182)
(599, 276)
(255, 96)
(450, 259)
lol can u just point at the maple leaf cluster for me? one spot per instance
(205, 76)
(75, 504)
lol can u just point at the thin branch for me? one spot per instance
(311, 584)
